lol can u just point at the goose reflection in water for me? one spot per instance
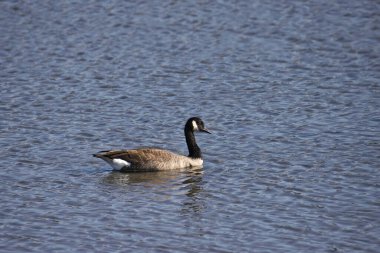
(166, 184)
(163, 178)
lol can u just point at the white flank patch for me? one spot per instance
(195, 126)
(118, 164)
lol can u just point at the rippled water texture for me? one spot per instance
(290, 90)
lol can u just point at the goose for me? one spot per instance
(155, 159)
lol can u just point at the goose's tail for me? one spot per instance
(101, 154)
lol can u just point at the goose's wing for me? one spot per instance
(137, 154)
(145, 158)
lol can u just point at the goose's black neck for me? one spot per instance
(194, 150)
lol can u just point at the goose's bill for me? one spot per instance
(205, 130)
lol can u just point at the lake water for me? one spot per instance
(290, 90)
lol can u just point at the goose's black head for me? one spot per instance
(196, 124)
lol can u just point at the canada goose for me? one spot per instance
(154, 159)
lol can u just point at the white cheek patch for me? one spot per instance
(118, 164)
(195, 126)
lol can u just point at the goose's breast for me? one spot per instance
(178, 162)
(196, 162)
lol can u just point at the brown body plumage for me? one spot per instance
(154, 159)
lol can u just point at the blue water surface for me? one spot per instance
(290, 90)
